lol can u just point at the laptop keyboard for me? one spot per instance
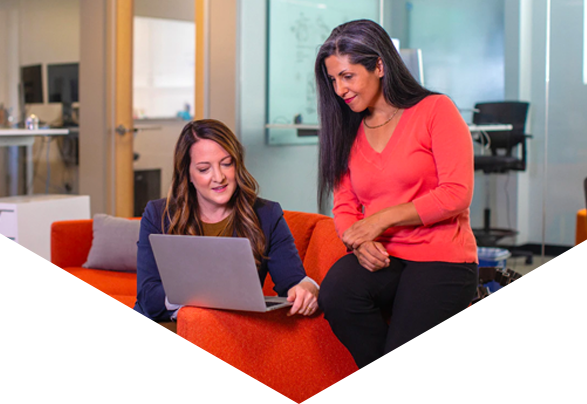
(271, 304)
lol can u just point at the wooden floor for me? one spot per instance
(42, 347)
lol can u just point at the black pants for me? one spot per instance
(372, 313)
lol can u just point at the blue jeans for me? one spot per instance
(125, 359)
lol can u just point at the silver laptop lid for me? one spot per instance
(214, 272)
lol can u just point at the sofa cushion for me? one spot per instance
(114, 245)
(74, 286)
(324, 249)
(301, 225)
(104, 309)
(296, 356)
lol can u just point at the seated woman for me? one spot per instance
(213, 194)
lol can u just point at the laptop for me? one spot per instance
(212, 272)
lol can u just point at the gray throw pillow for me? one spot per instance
(114, 246)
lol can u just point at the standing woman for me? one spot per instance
(399, 160)
(213, 194)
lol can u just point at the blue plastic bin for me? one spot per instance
(493, 257)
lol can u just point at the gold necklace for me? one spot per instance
(384, 123)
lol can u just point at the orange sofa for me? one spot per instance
(581, 243)
(296, 356)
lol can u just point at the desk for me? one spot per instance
(472, 127)
(489, 128)
(26, 137)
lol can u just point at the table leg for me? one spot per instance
(29, 170)
(13, 170)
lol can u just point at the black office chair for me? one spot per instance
(508, 153)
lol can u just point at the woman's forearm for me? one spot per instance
(404, 214)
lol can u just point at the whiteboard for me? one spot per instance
(296, 30)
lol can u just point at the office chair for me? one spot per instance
(505, 156)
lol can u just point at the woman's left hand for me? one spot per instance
(304, 297)
(364, 230)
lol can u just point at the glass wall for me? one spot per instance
(526, 50)
(565, 139)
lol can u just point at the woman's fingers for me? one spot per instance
(304, 301)
(361, 232)
(371, 257)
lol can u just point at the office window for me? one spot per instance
(164, 67)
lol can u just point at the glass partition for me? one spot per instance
(296, 29)
(565, 151)
(163, 68)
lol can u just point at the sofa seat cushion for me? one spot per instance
(74, 286)
(106, 309)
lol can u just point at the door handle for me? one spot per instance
(122, 130)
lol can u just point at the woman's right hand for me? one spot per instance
(372, 255)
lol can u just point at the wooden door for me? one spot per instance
(123, 186)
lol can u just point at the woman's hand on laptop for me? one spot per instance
(304, 297)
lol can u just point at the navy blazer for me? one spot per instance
(284, 263)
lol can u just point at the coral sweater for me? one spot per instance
(428, 161)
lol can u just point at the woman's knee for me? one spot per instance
(339, 282)
(343, 286)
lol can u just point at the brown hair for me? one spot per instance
(182, 209)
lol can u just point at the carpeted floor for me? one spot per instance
(42, 347)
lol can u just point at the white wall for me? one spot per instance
(286, 174)
(9, 65)
(9, 73)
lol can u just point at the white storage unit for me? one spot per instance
(25, 256)
(15, 365)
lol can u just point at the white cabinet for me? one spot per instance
(25, 252)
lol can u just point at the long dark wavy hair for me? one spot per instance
(182, 209)
(364, 42)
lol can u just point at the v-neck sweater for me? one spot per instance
(429, 161)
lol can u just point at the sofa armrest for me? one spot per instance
(324, 249)
(296, 356)
(226, 356)
(71, 241)
(581, 227)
